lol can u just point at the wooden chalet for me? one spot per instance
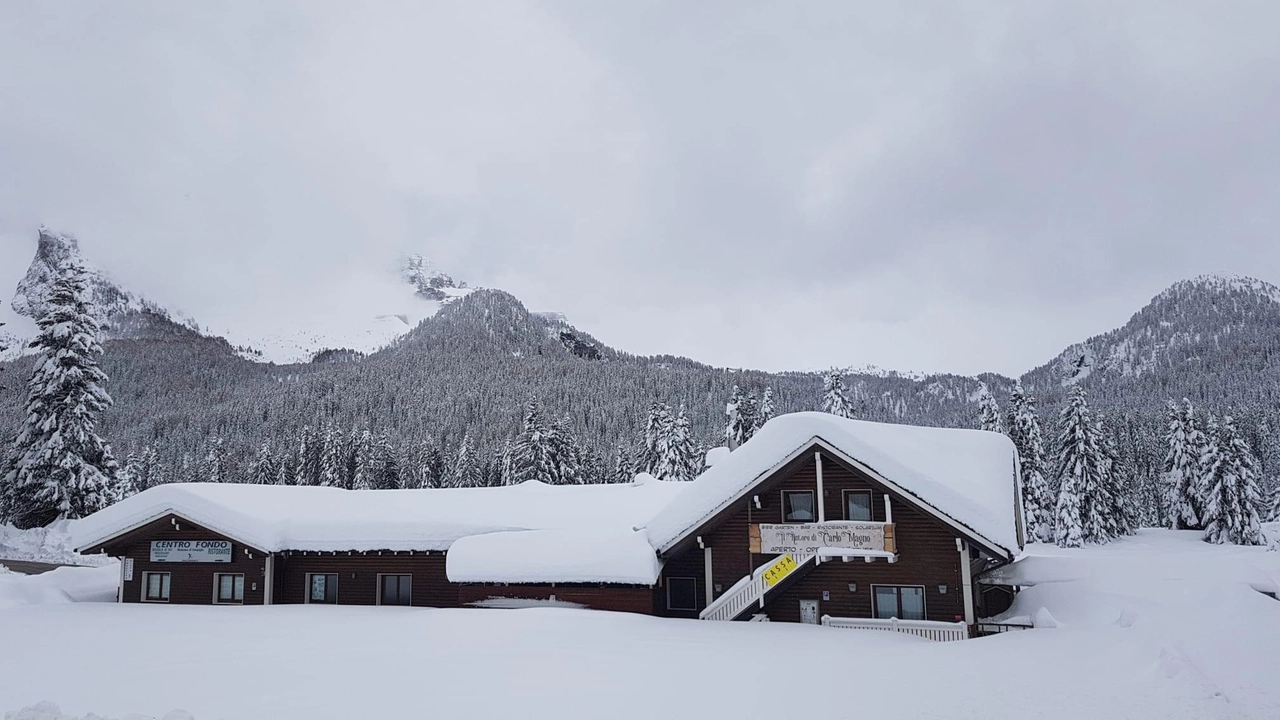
(816, 520)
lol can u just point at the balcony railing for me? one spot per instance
(928, 629)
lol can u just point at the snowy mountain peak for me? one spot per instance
(1222, 283)
(429, 282)
(120, 313)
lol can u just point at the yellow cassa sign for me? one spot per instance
(779, 570)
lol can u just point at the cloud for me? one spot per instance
(938, 187)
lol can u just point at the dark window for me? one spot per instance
(904, 603)
(857, 505)
(322, 588)
(798, 506)
(396, 589)
(230, 588)
(682, 594)
(155, 586)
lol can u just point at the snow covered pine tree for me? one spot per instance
(988, 411)
(742, 421)
(58, 466)
(1024, 430)
(834, 400)
(1233, 503)
(1082, 471)
(1182, 467)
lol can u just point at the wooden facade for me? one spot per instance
(189, 583)
(929, 553)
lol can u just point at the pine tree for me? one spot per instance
(310, 453)
(1182, 467)
(331, 459)
(463, 471)
(506, 472)
(386, 472)
(128, 483)
(150, 473)
(623, 469)
(1232, 506)
(834, 399)
(263, 471)
(764, 413)
(1037, 499)
(988, 410)
(657, 431)
(213, 467)
(742, 420)
(1080, 511)
(363, 468)
(58, 466)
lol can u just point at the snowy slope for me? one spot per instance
(1189, 322)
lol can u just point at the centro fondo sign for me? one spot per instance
(194, 551)
(810, 537)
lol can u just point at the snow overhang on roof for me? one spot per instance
(968, 477)
(273, 518)
(603, 555)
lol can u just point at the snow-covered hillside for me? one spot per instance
(403, 296)
(1185, 323)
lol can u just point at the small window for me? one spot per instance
(904, 603)
(857, 505)
(322, 588)
(798, 506)
(230, 588)
(682, 594)
(395, 590)
(155, 586)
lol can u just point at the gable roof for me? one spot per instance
(966, 477)
(275, 517)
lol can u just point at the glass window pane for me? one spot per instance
(800, 507)
(164, 586)
(317, 588)
(886, 602)
(224, 587)
(858, 506)
(238, 595)
(912, 603)
(331, 588)
(682, 594)
(153, 585)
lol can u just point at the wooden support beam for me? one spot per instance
(890, 540)
(753, 537)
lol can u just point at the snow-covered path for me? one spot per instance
(1133, 644)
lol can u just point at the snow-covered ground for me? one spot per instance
(51, 545)
(1167, 627)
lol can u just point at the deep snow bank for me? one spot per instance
(61, 585)
(51, 544)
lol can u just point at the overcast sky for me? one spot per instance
(954, 187)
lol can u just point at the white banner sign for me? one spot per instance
(809, 537)
(195, 551)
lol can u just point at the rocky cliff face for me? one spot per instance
(121, 314)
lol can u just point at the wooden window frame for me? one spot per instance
(146, 586)
(924, 601)
(307, 595)
(693, 580)
(217, 588)
(396, 575)
(813, 497)
(871, 500)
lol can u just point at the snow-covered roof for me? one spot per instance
(275, 517)
(968, 476)
(612, 555)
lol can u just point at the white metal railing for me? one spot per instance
(746, 592)
(928, 629)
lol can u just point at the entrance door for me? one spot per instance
(809, 612)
